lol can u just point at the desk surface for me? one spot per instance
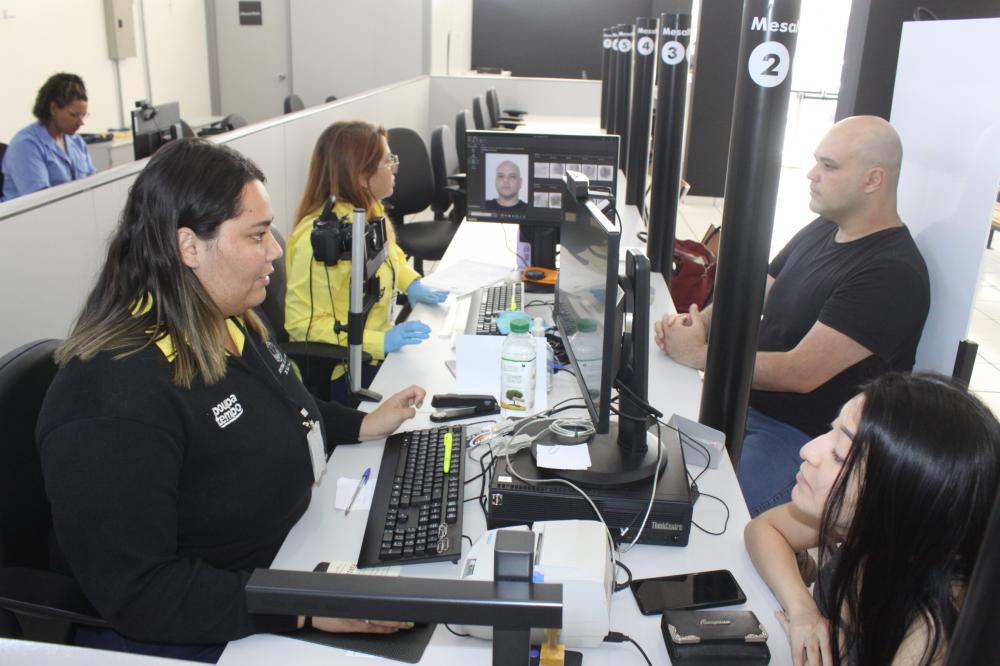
(324, 533)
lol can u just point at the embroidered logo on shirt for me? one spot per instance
(283, 365)
(227, 411)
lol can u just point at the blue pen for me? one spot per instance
(361, 484)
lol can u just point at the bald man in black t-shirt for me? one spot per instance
(845, 301)
(508, 183)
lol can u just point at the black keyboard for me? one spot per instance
(494, 300)
(416, 512)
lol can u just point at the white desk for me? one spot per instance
(324, 533)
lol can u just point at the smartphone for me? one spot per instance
(705, 589)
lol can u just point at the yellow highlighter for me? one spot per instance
(447, 452)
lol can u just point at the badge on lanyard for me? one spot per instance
(317, 453)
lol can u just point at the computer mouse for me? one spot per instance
(534, 274)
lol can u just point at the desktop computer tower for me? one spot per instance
(515, 502)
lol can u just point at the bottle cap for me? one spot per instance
(520, 325)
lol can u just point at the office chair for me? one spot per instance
(463, 121)
(449, 184)
(331, 98)
(513, 113)
(316, 360)
(477, 113)
(414, 193)
(186, 131)
(37, 602)
(293, 103)
(230, 122)
(3, 149)
(493, 111)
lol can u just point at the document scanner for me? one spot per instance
(572, 552)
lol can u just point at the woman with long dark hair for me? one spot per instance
(177, 445)
(899, 493)
(351, 161)
(47, 152)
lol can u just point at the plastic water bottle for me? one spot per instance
(517, 368)
(586, 344)
(538, 331)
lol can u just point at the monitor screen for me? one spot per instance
(588, 299)
(518, 176)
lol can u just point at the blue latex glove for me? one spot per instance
(418, 293)
(507, 316)
(407, 333)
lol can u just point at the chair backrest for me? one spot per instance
(186, 131)
(234, 120)
(477, 112)
(293, 103)
(415, 180)
(25, 515)
(493, 107)
(444, 161)
(331, 98)
(273, 306)
(3, 149)
(463, 121)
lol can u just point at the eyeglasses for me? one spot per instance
(393, 163)
(79, 116)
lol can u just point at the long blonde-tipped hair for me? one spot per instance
(347, 154)
(144, 291)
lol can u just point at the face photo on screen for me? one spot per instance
(505, 184)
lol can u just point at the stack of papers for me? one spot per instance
(465, 276)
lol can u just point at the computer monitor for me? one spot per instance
(153, 126)
(604, 323)
(517, 177)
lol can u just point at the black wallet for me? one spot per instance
(715, 637)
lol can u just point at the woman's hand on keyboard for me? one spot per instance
(392, 412)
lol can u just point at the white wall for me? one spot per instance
(451, 37)
(38, 39)
(344, 47)
(945, 110)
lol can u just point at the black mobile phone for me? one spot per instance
(705, 589)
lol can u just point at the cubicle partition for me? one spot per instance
(55, 239)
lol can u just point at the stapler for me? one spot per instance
(452, 406)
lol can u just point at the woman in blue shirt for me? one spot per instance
(48, 152)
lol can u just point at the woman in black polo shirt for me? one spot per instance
(177, 444)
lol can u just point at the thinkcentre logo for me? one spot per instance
(227, 411)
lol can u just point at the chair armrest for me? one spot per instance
(320, 350)
(514, 112)
(45, 595)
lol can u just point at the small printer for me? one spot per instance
(574, 553)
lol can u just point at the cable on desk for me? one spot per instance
(703, 450)
(628, 572)
(456, 633)
(618, 637)
(466, 536)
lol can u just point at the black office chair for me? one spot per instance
(478, 119)
(512, 113)
(230, 122)
(37, 602)
(493, 111)
(414, 193)
(331, 98)
(3, 149)
(463, 121)
(316, 360)
(186, 131)
(449, 183)
(293, 103)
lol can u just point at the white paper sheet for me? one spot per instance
(466, 276)
(559, 456)
(478, 366)
(346, 488)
